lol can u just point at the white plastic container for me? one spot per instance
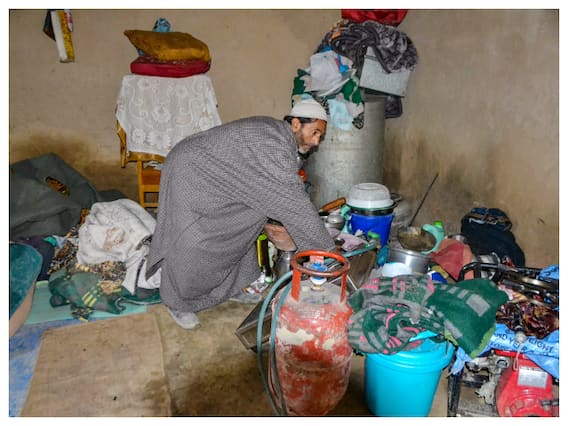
(369, 195)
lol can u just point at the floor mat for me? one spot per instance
(114, 368)
(42, 311)
(24, 347)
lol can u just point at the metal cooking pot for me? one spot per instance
(413, 259)
(335, 220)
(282, 264)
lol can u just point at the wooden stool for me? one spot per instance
(148, 177)
(148, 184)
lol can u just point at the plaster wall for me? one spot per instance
(482, 112)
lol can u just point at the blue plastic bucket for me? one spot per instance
(404, 384)
(381, 224)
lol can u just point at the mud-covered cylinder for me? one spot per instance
(346, 158)
(312, 351)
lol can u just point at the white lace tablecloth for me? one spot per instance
(158, 112)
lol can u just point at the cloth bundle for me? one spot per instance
(88, 288)
(393, 49)
(388, 312)
(97, 286)
(335, 90)
(119, 231)
(37, 207)
(488, 230)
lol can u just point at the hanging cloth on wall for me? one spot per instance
(58, 26)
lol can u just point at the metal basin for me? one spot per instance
(413, 259)
(416, 239)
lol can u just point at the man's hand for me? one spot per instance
(279, 237)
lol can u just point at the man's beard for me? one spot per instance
(299, 138)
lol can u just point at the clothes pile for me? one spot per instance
(102, 262)
(334, 77)
(389, 312)
(90, 245)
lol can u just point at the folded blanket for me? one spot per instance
(388, 312)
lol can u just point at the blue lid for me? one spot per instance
(318, 267)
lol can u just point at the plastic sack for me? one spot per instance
(543, 352)
(551, 272)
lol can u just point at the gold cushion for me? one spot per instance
(169, 46)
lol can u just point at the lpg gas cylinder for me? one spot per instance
(312, 354)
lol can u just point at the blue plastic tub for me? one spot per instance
(381, 224)
(404, 384)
